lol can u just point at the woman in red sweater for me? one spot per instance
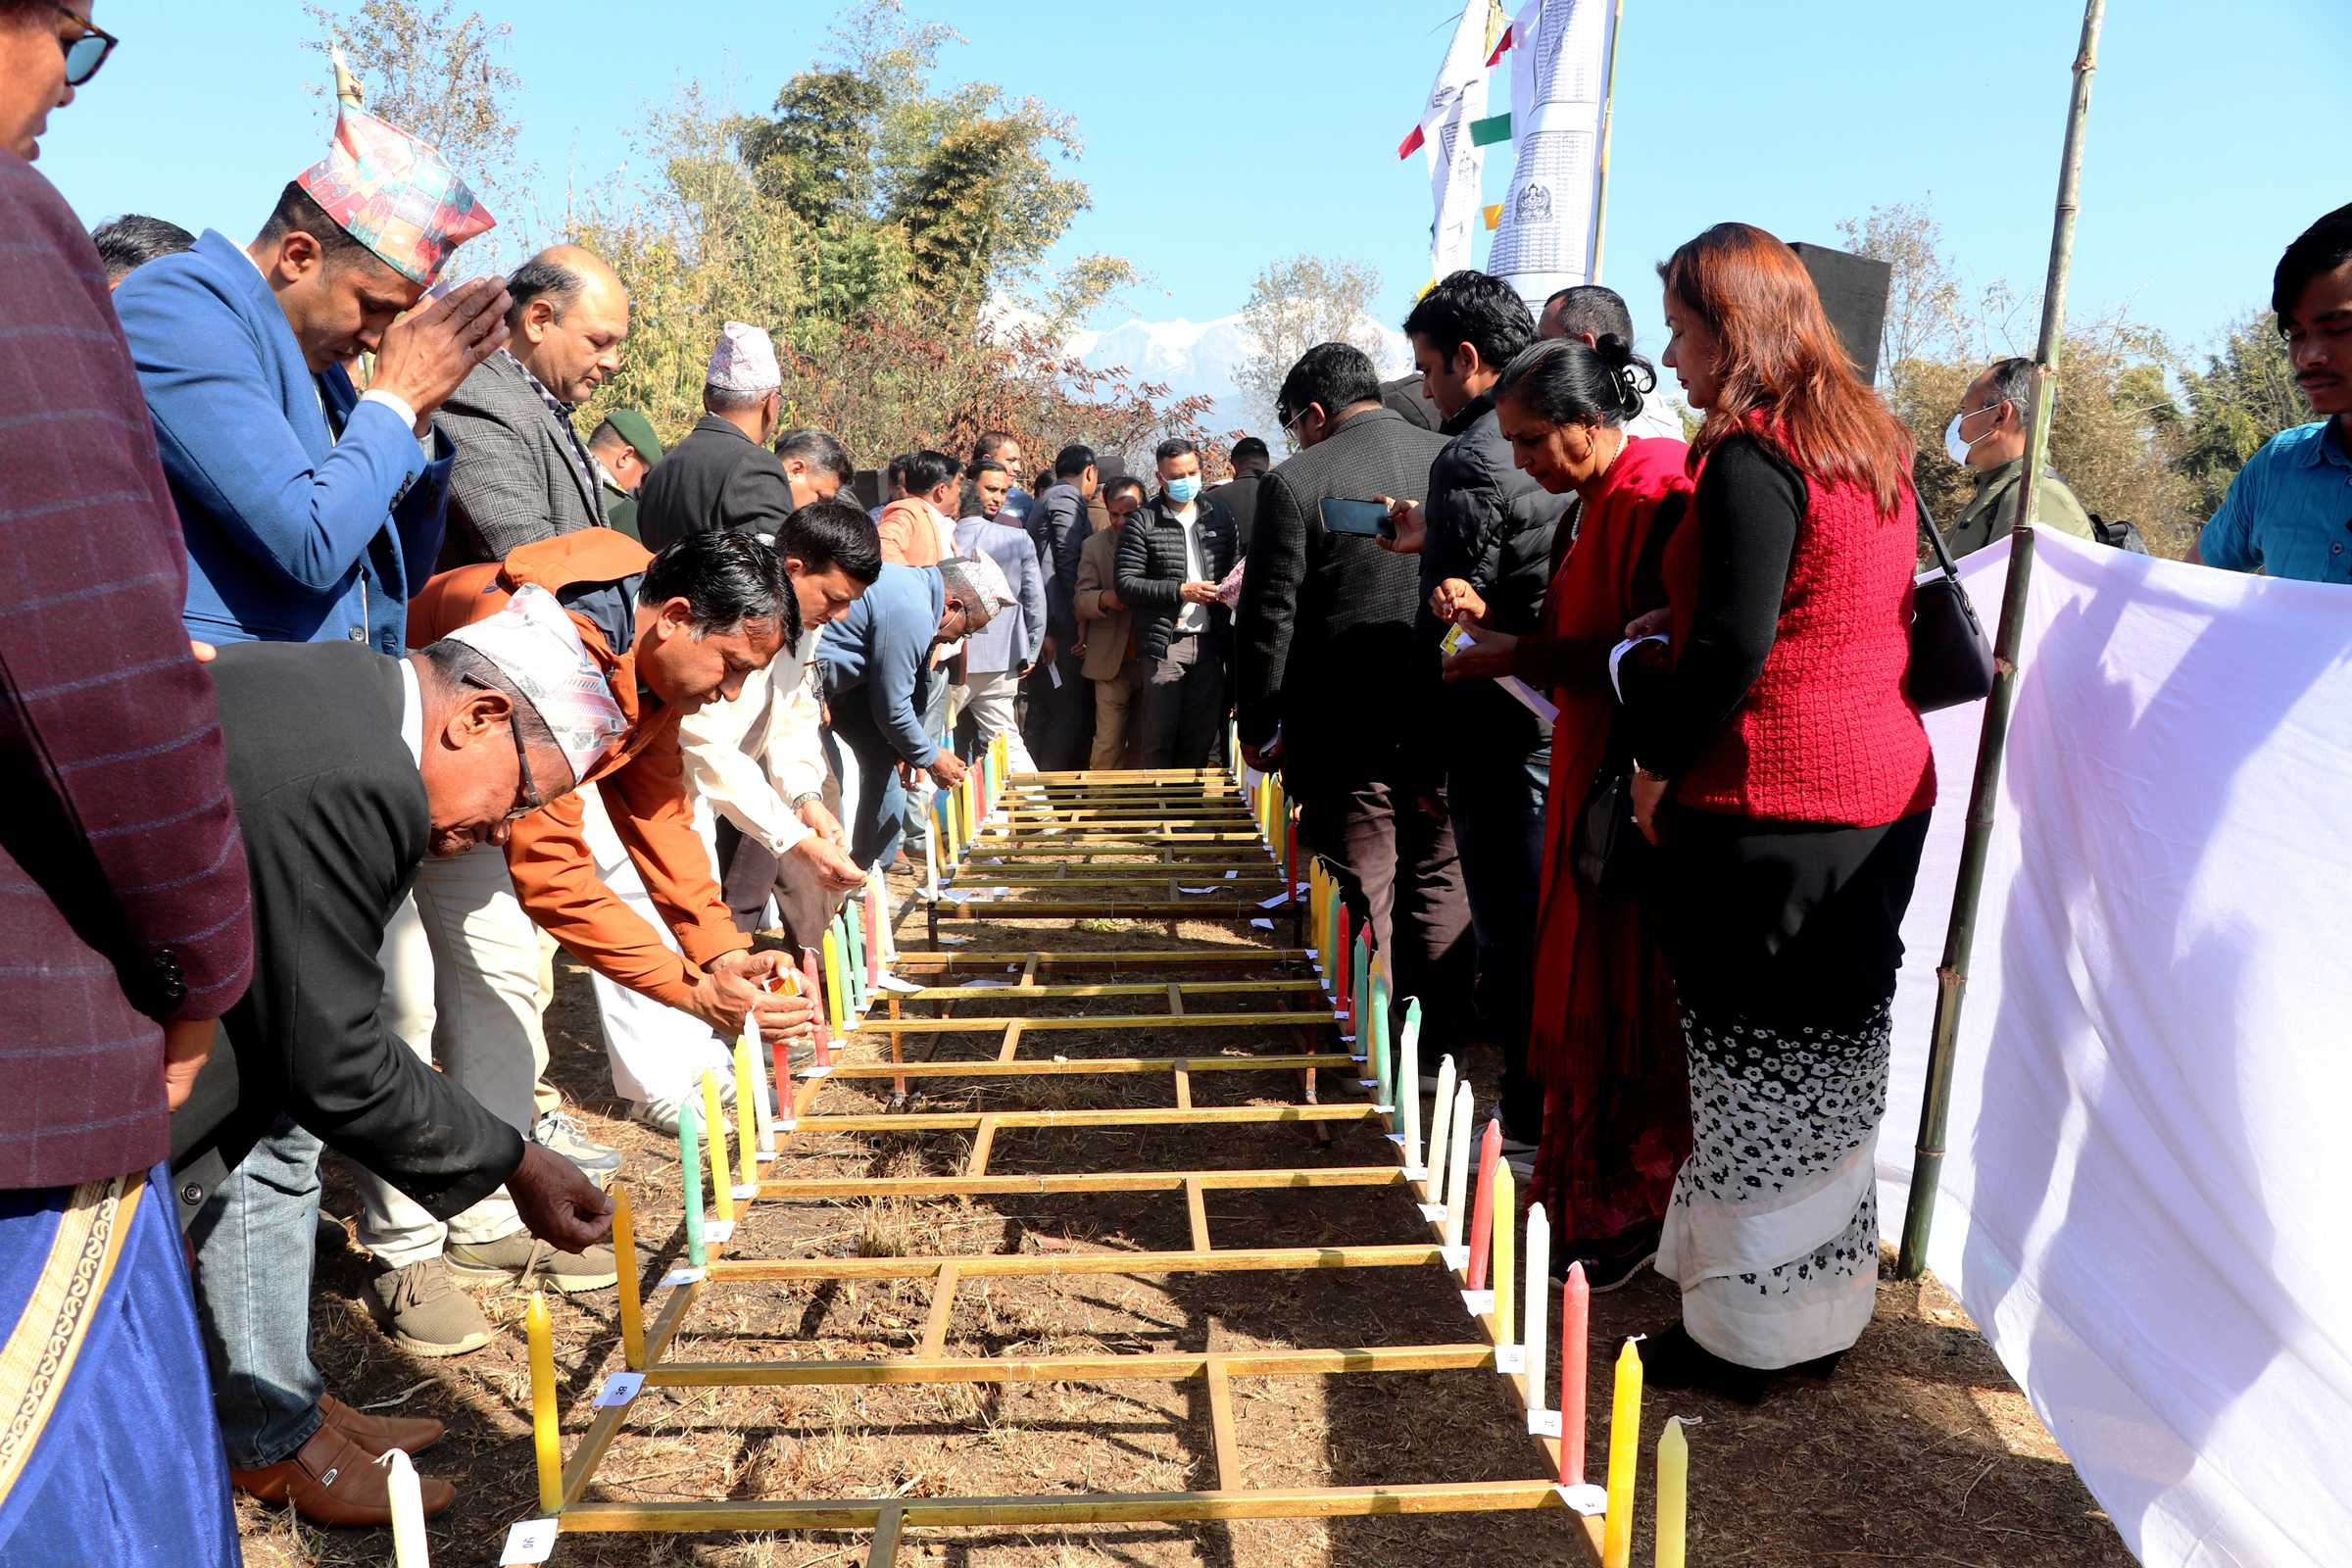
(1783, 767)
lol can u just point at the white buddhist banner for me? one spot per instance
(2143, 1200)
(1456, 168)
(1559, 88)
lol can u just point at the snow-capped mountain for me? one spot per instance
(1201, 356)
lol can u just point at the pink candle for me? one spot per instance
(872, 913)
(1338, 956)
(809, 987)
(1576, 1312)
(1482, 1209)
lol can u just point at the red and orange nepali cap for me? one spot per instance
(393, 193)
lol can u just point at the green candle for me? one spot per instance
(1385, 1092)
(690, 1157)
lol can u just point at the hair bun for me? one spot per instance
(1614, 351)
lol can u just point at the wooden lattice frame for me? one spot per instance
(1196, 824)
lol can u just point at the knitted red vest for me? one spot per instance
(1826, 733)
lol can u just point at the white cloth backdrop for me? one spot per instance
(2144, 1201)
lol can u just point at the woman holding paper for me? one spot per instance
(1606, 1044)
(1783, 767)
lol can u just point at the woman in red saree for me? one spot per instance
(1607, 1045)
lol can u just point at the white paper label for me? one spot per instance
(679, 1276)
(1543, 1423)
(1366, 1083)
(620, 1388)
(1585, 1498)
(531, 1541)
(950, 940)
(1457, 1257)
(1263, 925)
(1479, 1303)
(744, 1190)
(900, 983)
(1508, 1357)
(1274, 902)
(1434, 1213)
(718, 1230)
(784, 1125)
(1417, 1173)
(769, 1152)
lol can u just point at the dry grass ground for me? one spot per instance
(1919, 1452)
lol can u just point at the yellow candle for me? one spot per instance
(1674, 1492)
(1507, 1230)
(624, 1258)
(1624, 1448)
(543, 1405)
(722, 1184)
(747, 1095)
(836, 992)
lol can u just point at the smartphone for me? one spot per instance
(1368, 519)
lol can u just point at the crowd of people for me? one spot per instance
(332, 713)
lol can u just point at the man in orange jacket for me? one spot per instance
(668, 632)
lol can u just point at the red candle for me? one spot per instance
(1482, 1209)
(809, 987)
(1576, 1312)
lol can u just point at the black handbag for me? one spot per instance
(1611, 855)
(1951, 657)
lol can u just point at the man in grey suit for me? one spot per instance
(522, 473)
(1334, 688)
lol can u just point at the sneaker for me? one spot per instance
(660, 1111)
(558, 1133)
(424, 1313)
(523, 1258)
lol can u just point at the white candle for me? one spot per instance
(1408, 1081)
(931, 863)
(1458, 1176)
(1537, 1264)
(409, 1548)
(765, 1114)
(1441, 1119)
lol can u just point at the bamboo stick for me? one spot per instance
(1015, 1265)
(1063, 1183)
(1983, 797)
(1064, 1510)
(1154, 1366)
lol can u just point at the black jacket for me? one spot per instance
(1059, 526)
(717, 477)
(1490, 525)
(1325, 649)
(335, 825)
(1152, 566)
(1239, 496)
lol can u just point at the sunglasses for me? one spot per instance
(87, 53)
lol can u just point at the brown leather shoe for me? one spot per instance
(381, 1434)
(332, 1481)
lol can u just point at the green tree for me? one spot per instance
(2245, 395)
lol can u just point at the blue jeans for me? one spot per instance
(1497, 801)
(255, 1240)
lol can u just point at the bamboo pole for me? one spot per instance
(1064, 1183)
(1609, 125)
(1151, 1366)
(1934, 1112)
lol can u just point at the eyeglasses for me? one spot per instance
(524, 789)
(87, 53)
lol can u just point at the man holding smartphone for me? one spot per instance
(1328, 661)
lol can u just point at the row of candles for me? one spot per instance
(957, 813)
(1490, 1225)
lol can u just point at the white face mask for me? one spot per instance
(1954, 446)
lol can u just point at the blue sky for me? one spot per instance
(1222, 133)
